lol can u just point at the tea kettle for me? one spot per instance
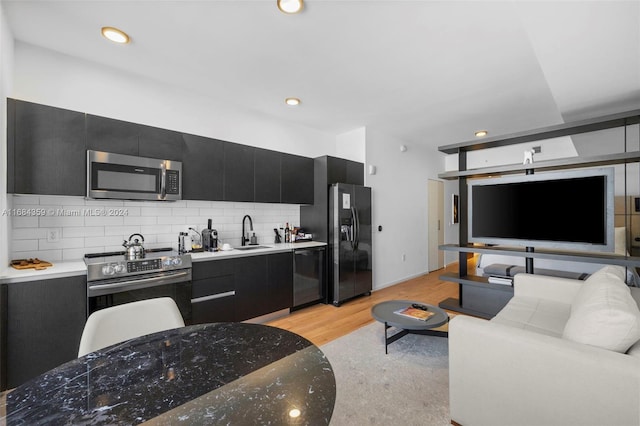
(135, 249)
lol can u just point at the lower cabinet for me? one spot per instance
(280, 281)
(242, 288)
(213, 292)
(264, 284)
(44, 323)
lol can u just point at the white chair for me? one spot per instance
(123, 322)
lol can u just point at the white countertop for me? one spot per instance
(58, 270)
(77, 267)
(269, 248)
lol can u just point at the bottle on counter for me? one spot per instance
(287, 233)
(181, 242)
(184, 242)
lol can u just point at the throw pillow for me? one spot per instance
(603, 313)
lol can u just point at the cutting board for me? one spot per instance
(36, 264)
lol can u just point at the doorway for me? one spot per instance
(435, 226)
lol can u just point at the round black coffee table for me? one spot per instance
(385, 312)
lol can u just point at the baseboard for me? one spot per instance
(389, 284)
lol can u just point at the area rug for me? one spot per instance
(409, 386)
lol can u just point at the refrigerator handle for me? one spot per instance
(356, 225)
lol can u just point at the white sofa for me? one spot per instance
(561, 352)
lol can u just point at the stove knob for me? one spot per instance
(119, 268)
(176, 261)
(167, 262)
(108, 270)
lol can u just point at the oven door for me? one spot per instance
(129, 177)
(174, 284)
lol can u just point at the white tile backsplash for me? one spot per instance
(91, 226)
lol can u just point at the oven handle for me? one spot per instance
(136, 283)
(213, 296)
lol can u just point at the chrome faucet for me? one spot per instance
(245, 239)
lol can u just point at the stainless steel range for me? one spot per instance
(114, 279)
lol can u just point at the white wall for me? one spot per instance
(399, 205)
(50, 78)
(6, 77)
(352, 145)
(514, 154)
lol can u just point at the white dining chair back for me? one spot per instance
(119, 323)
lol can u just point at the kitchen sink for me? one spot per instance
(251, 247)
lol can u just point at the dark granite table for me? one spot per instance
(222, 373)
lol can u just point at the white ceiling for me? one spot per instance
(423, 71)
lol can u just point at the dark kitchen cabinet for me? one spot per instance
(296, 175)
(202, 168)
(159, 143)
(3, 337)
(238, 172)
(251, 287)
(327, 170)
(44, 323)
(123, 137)
(213, 291)
(340, 170)
(264, 284)
(242, 288)
(110, 135)
(46, 150)
(266, 176)
(280, 281)
(47, 155)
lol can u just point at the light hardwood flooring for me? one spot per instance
(323, 323)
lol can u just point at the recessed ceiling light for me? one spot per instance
(115, 35)
(292, 101)
(481, 133)
(290, 6)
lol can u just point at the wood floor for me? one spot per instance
(322, 323)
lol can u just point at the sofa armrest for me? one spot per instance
(561, 290)
(499, 375)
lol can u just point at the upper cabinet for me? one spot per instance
(47, 155)
(238, 172)
(202, 168)
(154, 142)
(109, 135)
(266, 176)
(296, 175)
(123, 137)
(45, 150)
(340, 170)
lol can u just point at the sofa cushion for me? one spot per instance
(603, 313)
(533, 314)
(634, 350)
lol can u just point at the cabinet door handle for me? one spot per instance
(213, 296)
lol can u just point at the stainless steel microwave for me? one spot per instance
(127, 177)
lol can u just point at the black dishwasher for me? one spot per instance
(309, 278)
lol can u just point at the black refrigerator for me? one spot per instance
(350, 264)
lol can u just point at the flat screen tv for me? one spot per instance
(570, 210)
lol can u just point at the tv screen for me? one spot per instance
(570, 210)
